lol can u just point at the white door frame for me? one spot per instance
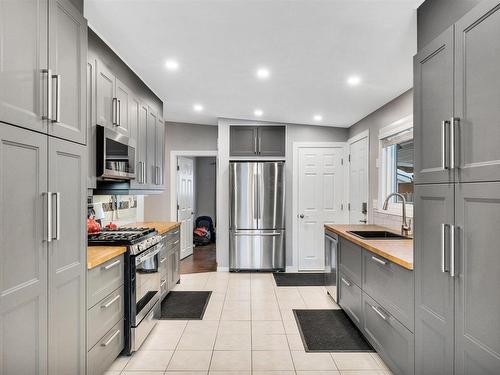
(295, 190)
(173, 176)
(350, 141)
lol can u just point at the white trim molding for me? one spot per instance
(350, 141)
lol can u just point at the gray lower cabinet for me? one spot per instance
(350, 260)
(257, 141)
(103, 354)
(104, 279)
(42, 79)
(392, 340)
(350, 299)
(434, 288)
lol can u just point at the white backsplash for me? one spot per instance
(128, 208)
(385, 219)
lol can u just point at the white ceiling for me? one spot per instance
(310, 47)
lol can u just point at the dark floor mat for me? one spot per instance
(330, 331)
(299, 279)
(185, 305)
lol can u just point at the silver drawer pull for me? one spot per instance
(163, 283)
(378, 312)
(109, 266)
(163, 260)
(346, 282)
(176, 242)
(109, 303)
(108, 341)
(375, 259)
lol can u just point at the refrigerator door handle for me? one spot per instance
(256, 193)
(274, 234)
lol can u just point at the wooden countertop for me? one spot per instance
(397, 251)
(97, 255)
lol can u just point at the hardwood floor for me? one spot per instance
(202, 260)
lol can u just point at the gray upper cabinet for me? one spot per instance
(477, 258)
(433, 109)
(123, 107)
(23, 253)
(434, 287)
(477, 93)
(23, 65)
(257, 141)
(137, 132)
(151, 170)
(67, 60)
(67, 257)
(91, 120)
(160, 151)
(105, 96)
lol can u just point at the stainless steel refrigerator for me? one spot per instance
(257, 216)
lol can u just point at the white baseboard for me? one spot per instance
(222, 269)
(291, 269)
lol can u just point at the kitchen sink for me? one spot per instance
(377, 235)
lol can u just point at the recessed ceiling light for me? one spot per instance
(318, 117)
(258, 112)
(198, 107)
(263, 73)
(354, 80)
(172, 65)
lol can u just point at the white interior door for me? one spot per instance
(320, 196)
(185, 203)
(358, 180)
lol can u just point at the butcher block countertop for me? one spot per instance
(396, 250)
(97, 255)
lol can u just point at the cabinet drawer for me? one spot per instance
(350, 260)
(350, 299)
(102, 355)
(393, 341)
(104, 315)
(104, 279)
(172, 236)
(391, 285)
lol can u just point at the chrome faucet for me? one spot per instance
(405, 225)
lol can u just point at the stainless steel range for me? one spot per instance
(142, 279)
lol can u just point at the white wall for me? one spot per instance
(295, 133)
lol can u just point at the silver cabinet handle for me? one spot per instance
(346, 282)
(176, 242)
(58, 216)
(163, 283)
(378, 312)
(144, 172)
(48, 196)
(255, 149)
(380, 261)
(452, 250)
(48, 72)
(444, 149)
(443, 247)
(57, 77)
(139, 172)
(115, 263)
(163, 260)
(109, 303)
(260, 145)
(454, 122)
(114, 111)
(119, 112)
(108, 341)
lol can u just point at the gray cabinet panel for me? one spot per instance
(389, 337)
(433, 104)
(271, 141)
(434, 289)
(104, 279)
(151, 171)
(91, 121)
(23, 251)
(477, 92)
(138, 127)
(123, 107)
(350, 299)
(243, 141)
(391, 285)
(68, 58)
(23, 59)
(477, 257)
(105, 93)
(160, 152)
(67, 257)
(106, 350)
(350, 260)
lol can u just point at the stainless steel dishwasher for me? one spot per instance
(331, 259)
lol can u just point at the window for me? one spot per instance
(397, 164)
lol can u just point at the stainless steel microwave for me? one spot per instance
(115, 159)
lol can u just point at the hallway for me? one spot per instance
(203, 259)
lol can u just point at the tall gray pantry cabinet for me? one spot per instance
(43, 187)
(457, 206)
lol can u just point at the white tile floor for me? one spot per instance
(248, 329)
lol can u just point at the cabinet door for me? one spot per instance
(433, 109)
(105, 94)
(243, 141)
(477, 257)
(91, 121)
(477, 93)
(67, 258)
(137, 133)
(151, 170)
(434, 289)
(23, 253)
(23, 59)
(160, 152)
(68, 60)
(271, 140)
(123, 107)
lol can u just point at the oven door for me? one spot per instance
(146, 283)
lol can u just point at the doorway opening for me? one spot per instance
(195, 208)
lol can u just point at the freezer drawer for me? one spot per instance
(257, 250)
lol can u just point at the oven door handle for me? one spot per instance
(142, 258)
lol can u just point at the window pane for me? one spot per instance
(404, 170)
